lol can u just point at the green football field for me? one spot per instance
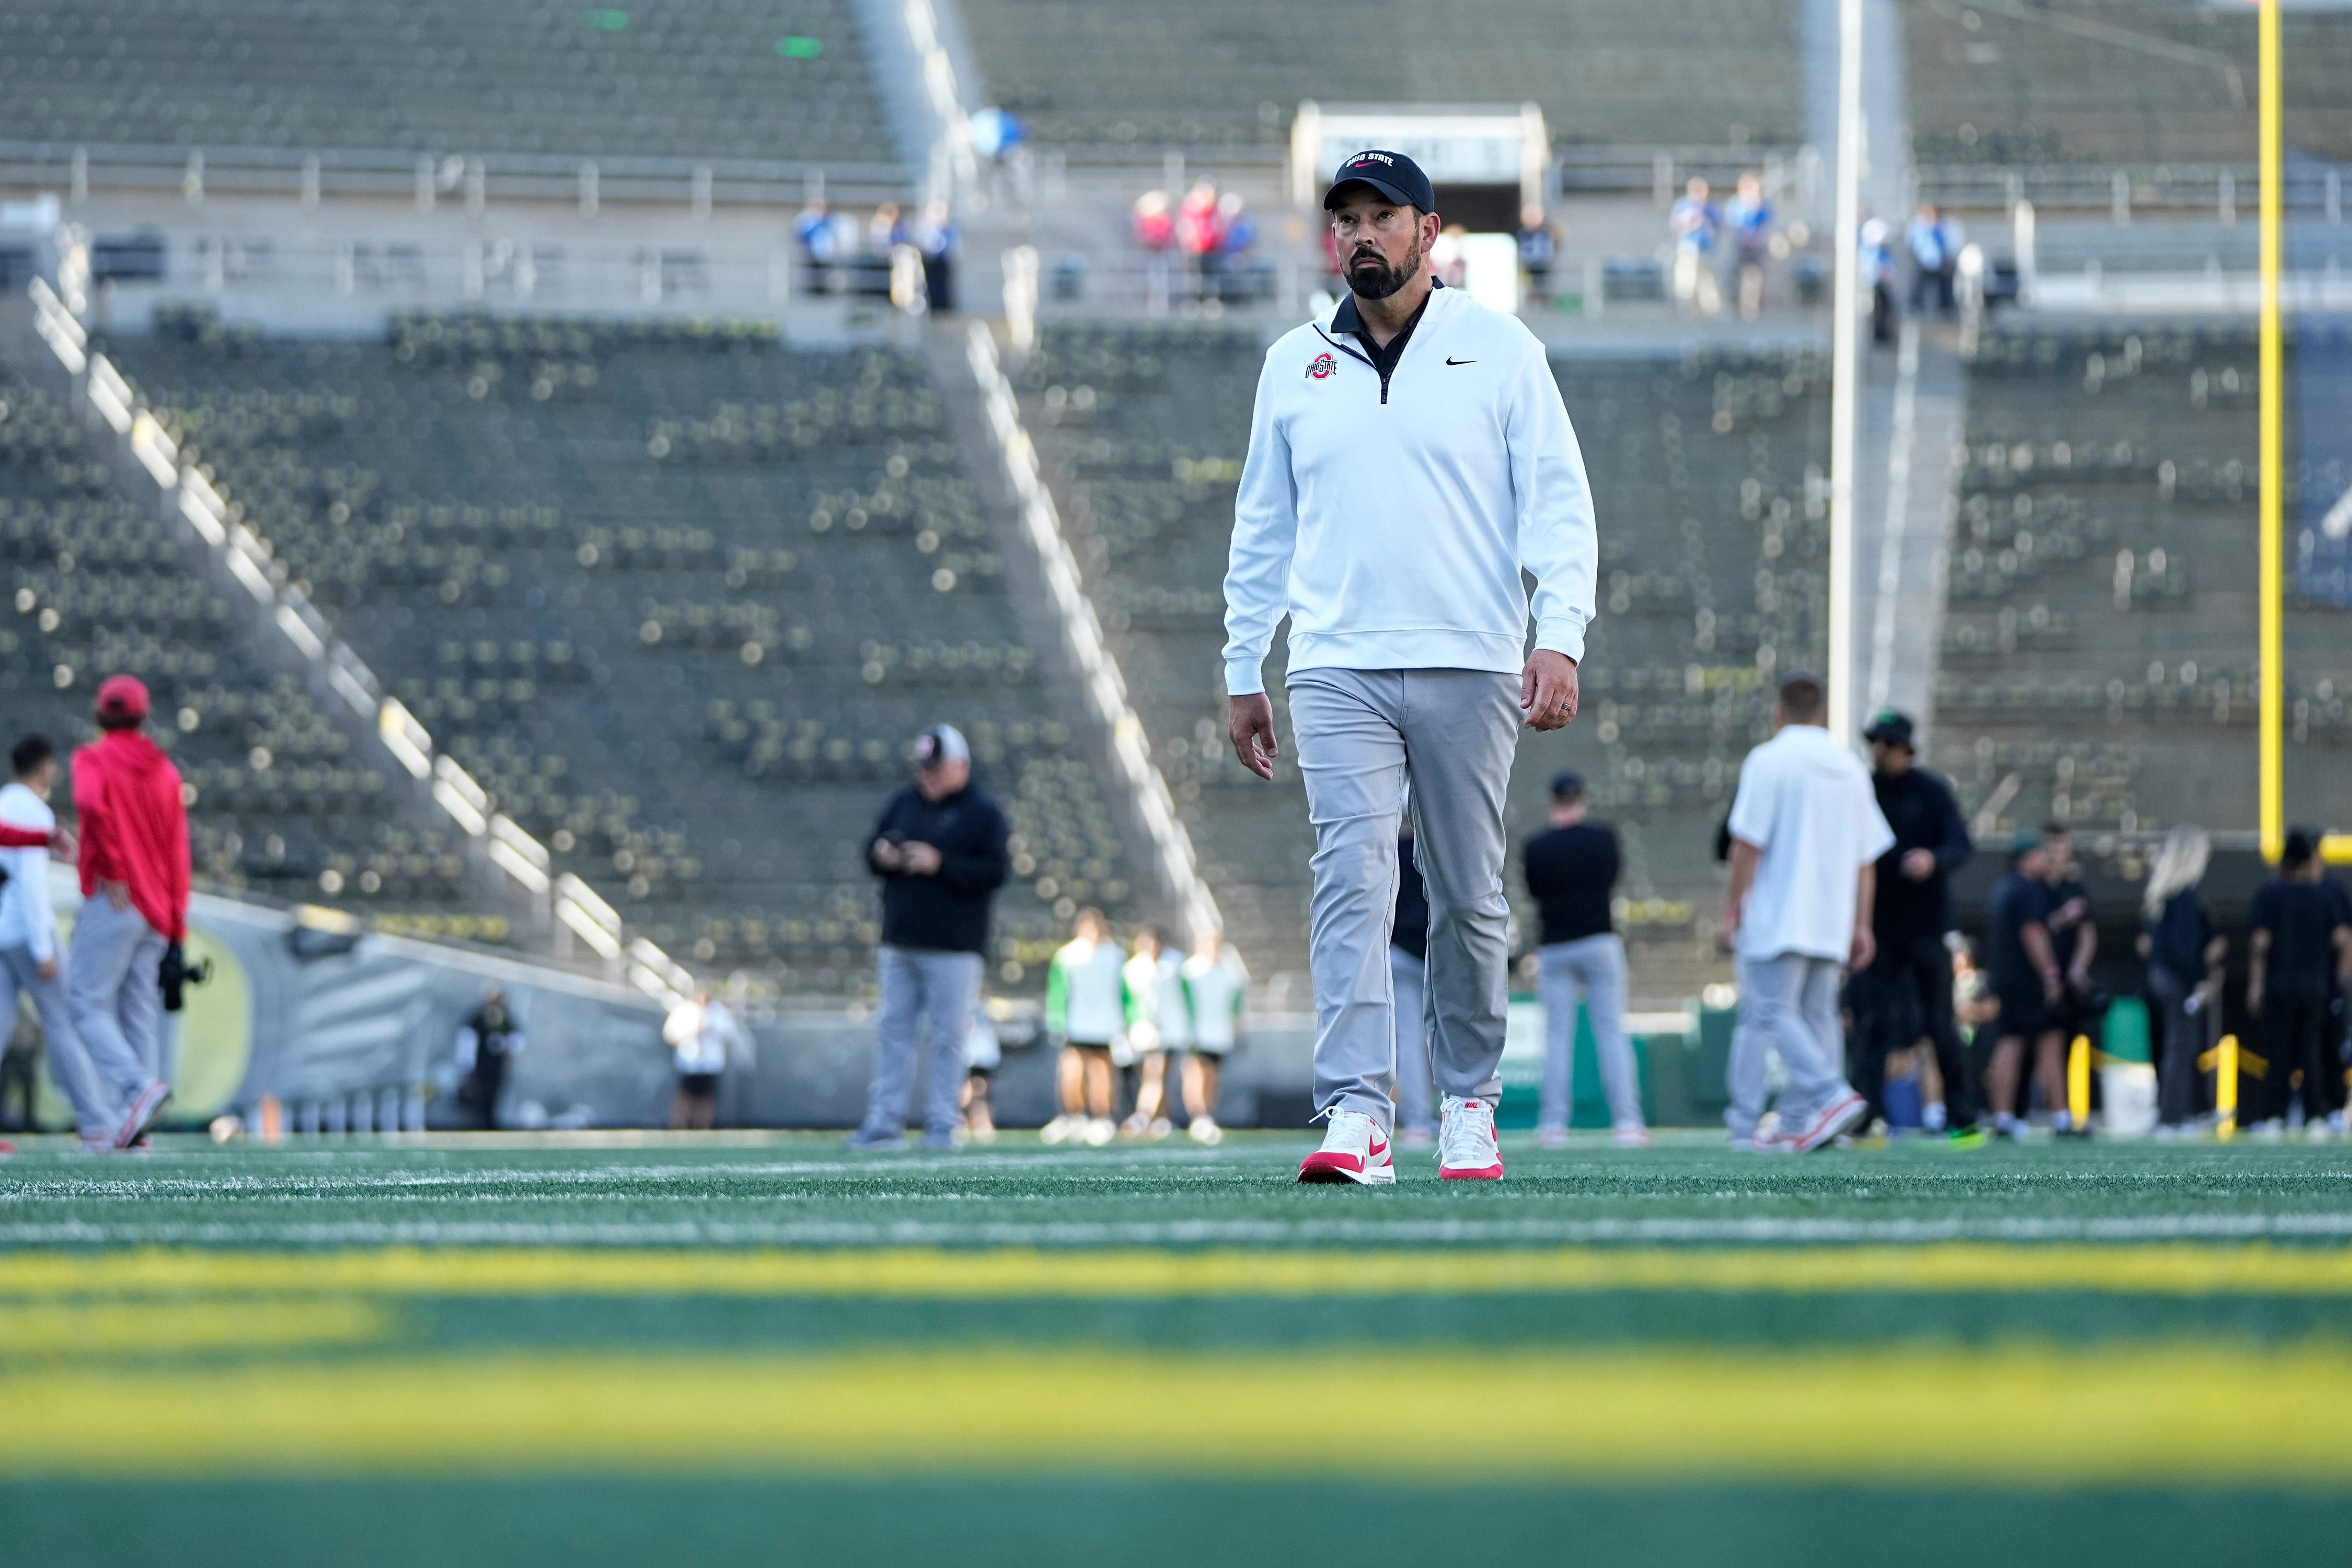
(617, 1350)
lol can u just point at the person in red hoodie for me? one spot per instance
(134, 886)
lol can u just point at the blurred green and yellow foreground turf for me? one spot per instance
(641, 1350)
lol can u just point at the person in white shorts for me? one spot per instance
(1217, 1000)
(1157, 1027)
(1806, 835)
(1086, 1013)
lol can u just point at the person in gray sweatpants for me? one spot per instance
(1571, 871)
(1360, 733)
(29, 960)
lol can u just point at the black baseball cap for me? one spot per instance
(1568, 784)
(1392, 174)
(1891, 726)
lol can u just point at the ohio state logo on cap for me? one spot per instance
(1323, 366)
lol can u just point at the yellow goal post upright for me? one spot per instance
(2272, 484)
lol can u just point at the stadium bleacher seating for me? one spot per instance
(1229, 72)
(698, 80)
(2141, 83)
(2099, 649)
(1706, 471)
(678, 597)
(281, 805)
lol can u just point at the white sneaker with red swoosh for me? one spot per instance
(1466, 1142)
(1355, 1149)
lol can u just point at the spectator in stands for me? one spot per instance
(488, 1045)
(1693, 223)
(2299, 957)
(983, 1053)
(1416, 1106)
(1571, 870)
(820, 239)
(935, 234)
(2028, 985)
(134, 912)
(939, 850)
(1156, 1026)
(1934, 251)
(2183, 953)
(1749, 219)
(1878, 271)
(1905, 993)
(886, 230)
(1805, 841)
(703, 1033)
(1538, 249)
(1086, 1015)
(28, 948)
(1216, 998)
(1197, 233)
(1155, 225)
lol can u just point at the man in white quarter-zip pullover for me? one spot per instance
(1408, 457)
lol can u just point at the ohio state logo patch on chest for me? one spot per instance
(1323, 366)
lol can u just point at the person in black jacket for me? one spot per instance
(2183, 952)
(939, 850)
(1906, 991)
(2299, 948)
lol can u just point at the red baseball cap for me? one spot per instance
(122, 697)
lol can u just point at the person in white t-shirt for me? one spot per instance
(29, 960)
(702, 1034)
(1806, 833)
(1157, 1024)
(1216, 997)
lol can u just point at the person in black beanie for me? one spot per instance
(1906, 991)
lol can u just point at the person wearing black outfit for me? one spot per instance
(2300, 955)
(1571, 870)
(2025, 978)
(2183, 954)
(2074, 937)
(940, 851)
(1416, 1090)
(487, 1047)
(1906, 991)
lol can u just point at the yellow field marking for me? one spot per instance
(53, 1327)
(2177, 1413)
(1956, 1267)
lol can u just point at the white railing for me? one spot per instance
(1083, 632)
(217, 521)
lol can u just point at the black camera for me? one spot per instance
(177, 975)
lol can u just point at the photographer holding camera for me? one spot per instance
(125, 966)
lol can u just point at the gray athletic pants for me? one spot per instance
(96, 1113)
(1362, 735)
(943, 987)
(1593, 968)
(1788, 1002)
(1416, 1106)
(111, 986)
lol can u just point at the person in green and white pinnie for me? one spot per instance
(1085, 1014)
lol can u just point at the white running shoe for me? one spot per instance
(139, 1112)
(1354, 1149)
(1099, 1132)
(1466, 1142)
(1204, 1130)
(1056, 1130)
(1633, 1135)
(1820, 1130)
(1551, 1137)
(1160, 1129)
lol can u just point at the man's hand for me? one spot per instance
(46, 969)
(119, 895)
(1249, 724)
(1918, 865)
(887, 856)
(1548, 690)
(1862, 950)
(919, 859)
(63, 845)
(2050, 988)
(1726, 929)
